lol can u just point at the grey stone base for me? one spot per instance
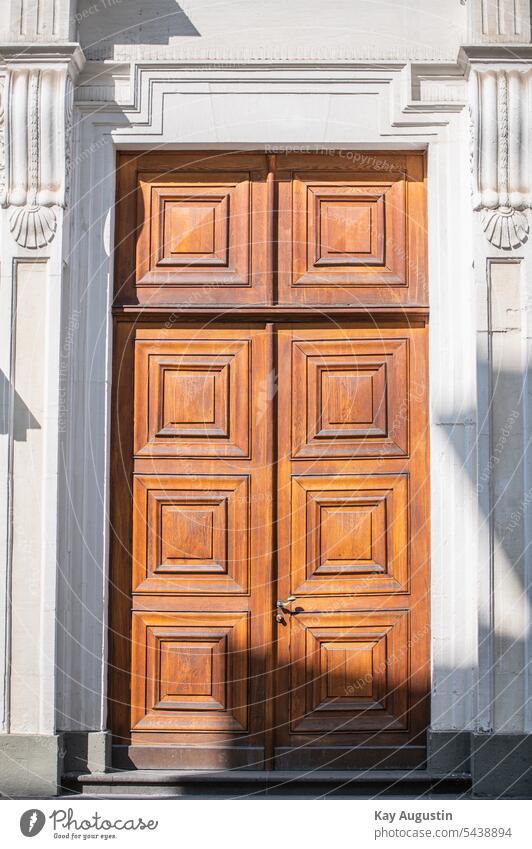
(35, 764)
(449, 751)
(86, 752)
(501, 765)
(30, 764)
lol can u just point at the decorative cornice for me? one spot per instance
(21, 54)
(407, 94)
(258, 54)
(35, 130)
(500, 154)
(489, 53)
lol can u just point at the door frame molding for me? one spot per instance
(441, 129)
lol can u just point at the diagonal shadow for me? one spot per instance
(23, 418)
(504, 473)
(156, 22)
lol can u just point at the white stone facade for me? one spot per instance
(81, 81)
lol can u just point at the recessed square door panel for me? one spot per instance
(350, 397)
(345, 228)
(188, 392)
(348, 232)
(199, 237)
(349, 672)
(349, 238)
(191, 671)
(191, 533)
(349, 534)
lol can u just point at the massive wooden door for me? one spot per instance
(269, 564)
(352, 546)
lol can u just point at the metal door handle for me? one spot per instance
(281, 607)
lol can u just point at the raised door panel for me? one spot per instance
(349, 398)
(191, 672)
(193, 230)
(349, 534)
(191, 534)
(349, 672)
(352, 237)
(344, 230)
(192, 397)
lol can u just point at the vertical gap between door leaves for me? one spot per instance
(271, 331)
(272, 227)
(272, 454)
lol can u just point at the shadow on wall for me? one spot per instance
(503, 472)
(503, 505)
(131, 22)
(23, 419)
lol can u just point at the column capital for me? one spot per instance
(36, 97)
(501, 173)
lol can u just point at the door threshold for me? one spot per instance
(239, 782)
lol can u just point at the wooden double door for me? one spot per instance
(269, 563)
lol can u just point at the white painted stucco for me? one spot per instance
(428, 29)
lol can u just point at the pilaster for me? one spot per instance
(38, 21)
(499, 21)
(38, 70)
(501, 194)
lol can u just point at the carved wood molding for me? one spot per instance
(500, 154)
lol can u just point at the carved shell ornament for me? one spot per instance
(33, 226)
(505, 227)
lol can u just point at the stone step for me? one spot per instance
(253, 783)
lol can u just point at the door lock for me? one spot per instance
(281, 607)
